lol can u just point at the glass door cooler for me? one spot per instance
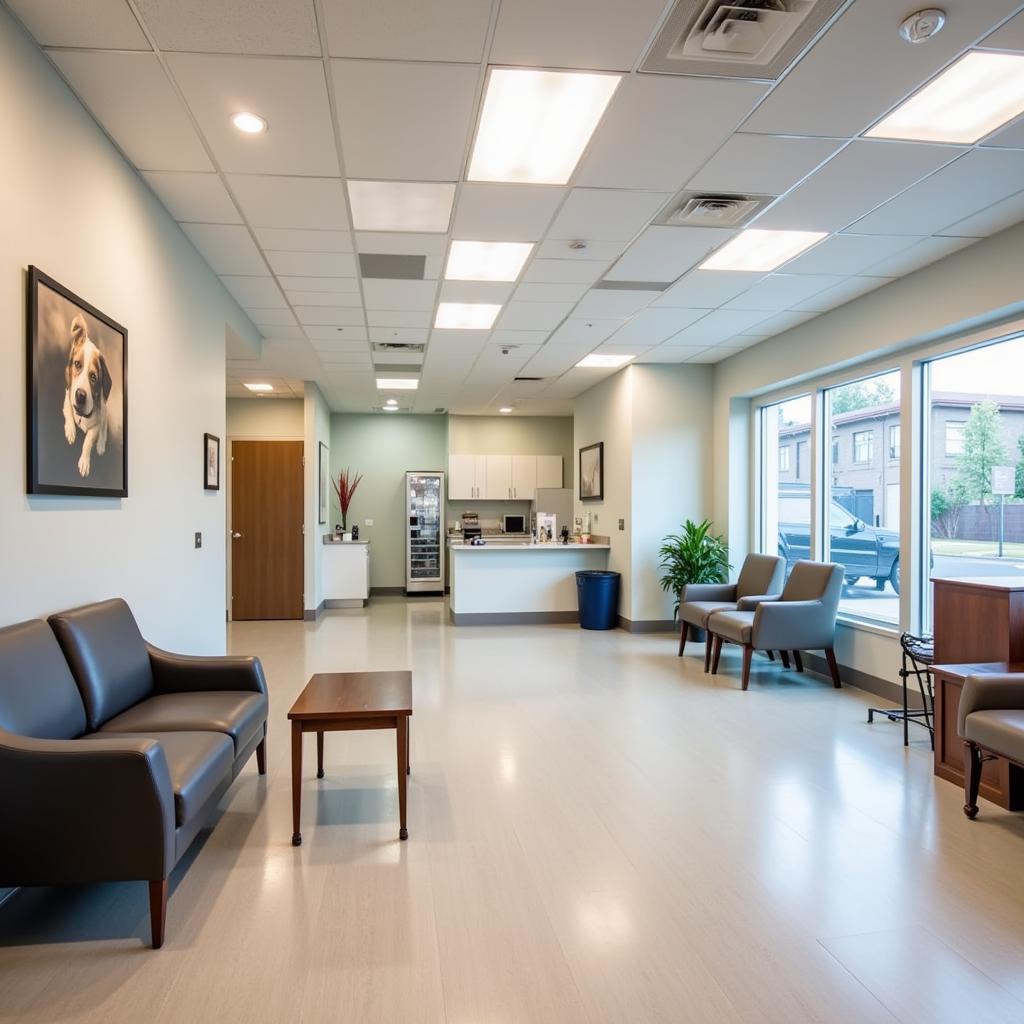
(424, 539)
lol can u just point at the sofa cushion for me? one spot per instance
(1000, 731)
(38, 695)
(737, 626)
(198, 763)
(107, 655)
(235, 713)
(697, 612)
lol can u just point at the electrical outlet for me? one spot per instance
(622, 524)
(368, 522)
(199, 539)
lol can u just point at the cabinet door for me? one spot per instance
(524, 477)
(549, 470)
(479, 475)
(499, 478)
(461, 477)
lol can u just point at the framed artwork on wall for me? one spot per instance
(324, 467)
(77, 394)
(592, 472)
(211, 462)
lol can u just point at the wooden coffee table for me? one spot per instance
(342, 701)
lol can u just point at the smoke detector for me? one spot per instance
(922, 25)
(703, 210)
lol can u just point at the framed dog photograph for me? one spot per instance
(592, 472)
(211, 462)
(77, 394)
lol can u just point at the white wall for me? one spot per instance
(317, 429)
(70, 205)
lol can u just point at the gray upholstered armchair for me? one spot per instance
(760, 575)
(990, 720)
(802, 618)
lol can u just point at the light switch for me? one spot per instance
(622, 524)
(199, 539)
(368, 522)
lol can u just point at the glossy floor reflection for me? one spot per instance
(598, 832)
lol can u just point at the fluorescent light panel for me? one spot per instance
(603, 361)
(535, 125)
(397, 383)
(466, 316)
(760, 250)
(259, 387)
(400, 205)
(969, 100)
(486, 261)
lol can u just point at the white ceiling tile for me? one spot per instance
(217, 26)
(285, 202)
(606, 214)
(333, 344)
(846, 291)
(452, 30)
(88, 24)
(228, 249)
(663, 253)
(917, 256)
(586, 331)
(959, 190)
(401, 120)
(716, 327)
(270, 317)
(1009, 36)
(399, 335)
(398, 318)
(670, 354)
(552, 361)
(347, 333)
(255, 291)
(861, 67)
(340, 285)
(562, 249)
(780, 322)
(1012, 135)
(518, 337)
(652, 326)
(303, 240)
(594, 34)
(780, 291)
(318, 298)
(401, 206)
(707, 289)
(849, 253)
(312, 264)
(283, 332)
(583, 272)
(660, 129)
(399, 295)
(854, 182)
(531, 316)
(995, 218)
(407, 244)
(533, 291)
(611, 303)
(494, 292)
(129, 94)
(329, 316)
(712, 355)
(762, 164)
(489, 212)
(192, 196)
(289, 94)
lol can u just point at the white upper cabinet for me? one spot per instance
(467, 477)
(524, 477)
(501, 477)
(549, 470)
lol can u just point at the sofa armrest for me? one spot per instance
(708, 592)
(751, 601)
(793, 625)
(182, 673)
(990, 693)
(85, 810)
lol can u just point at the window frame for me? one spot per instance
(894, 449)
(870, 432)
(784, 462)
(962, 424)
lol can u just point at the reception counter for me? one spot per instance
(505, 583)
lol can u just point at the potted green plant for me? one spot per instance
(695, 555)
(344, 488)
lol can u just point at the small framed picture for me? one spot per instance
(77, 394)
(592, 472)
(324, 468)
(211, 462)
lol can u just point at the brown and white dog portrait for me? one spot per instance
(87, 388)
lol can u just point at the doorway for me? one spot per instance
(266, 530)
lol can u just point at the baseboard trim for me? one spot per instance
(647, 625)
(511, 618)
(387, 591)
(313, 614)
(345, 602)
(883, 688)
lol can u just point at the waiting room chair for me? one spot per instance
(802, 618)
(990, 721)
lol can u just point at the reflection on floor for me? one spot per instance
(599, 832)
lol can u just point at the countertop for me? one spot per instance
(330, 542)
(458, 545)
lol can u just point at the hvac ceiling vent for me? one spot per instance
(527, 380)
(397, 346)
(711, 210)
(755, 39)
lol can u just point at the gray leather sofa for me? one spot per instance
(114, 754)
(990, 720)
(760, 575)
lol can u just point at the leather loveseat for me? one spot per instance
(114, 754)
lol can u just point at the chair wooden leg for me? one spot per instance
(709, 642)
(684, 630)
(771, 655)
(158, 910)
(748, 653)
(972, 778)
(261, 756)
(784, 655)
(833, 667)
(715, 655)
(798, 661)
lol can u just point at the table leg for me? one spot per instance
(402, 731)
(319, 755)
(296, 782)
(408, 759)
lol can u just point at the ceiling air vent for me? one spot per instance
(711, 210)
(525, 380)
(737, 38)
(397, 346)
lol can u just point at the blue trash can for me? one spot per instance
(598, 593)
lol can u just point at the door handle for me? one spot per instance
(235, 536)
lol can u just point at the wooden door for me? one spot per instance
(266, 530)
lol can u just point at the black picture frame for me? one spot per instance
(211, 446)
(323, 472)
(50, 336)
(589, 488)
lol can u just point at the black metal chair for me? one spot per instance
(918, 656)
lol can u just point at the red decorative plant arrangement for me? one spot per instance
(344, 488)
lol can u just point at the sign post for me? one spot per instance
(1003, 483)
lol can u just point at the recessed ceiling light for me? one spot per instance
(486, 261)
(251, 124)
(969, 100)
(259, 387)
(505, 409)
(397, 383)
(400, 205)
(535, 125)
(761, 250)
(389, 408)
(603, 361)
(466, 316)
(391, 401)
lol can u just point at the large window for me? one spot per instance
(862, 501)
(894, 441)
(785, 490)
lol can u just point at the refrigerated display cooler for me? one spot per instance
(424, 538)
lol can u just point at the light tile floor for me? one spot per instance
(599, 832)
